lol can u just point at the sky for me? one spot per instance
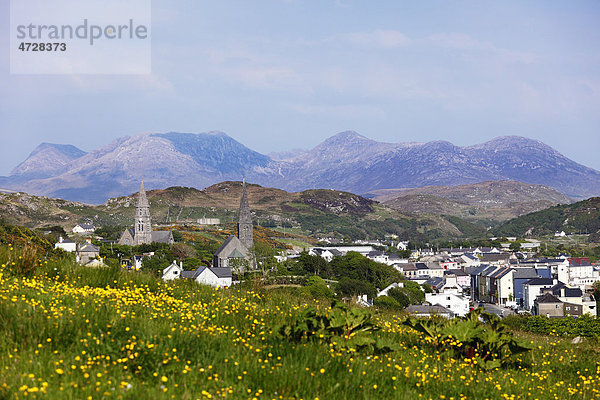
(283, 74)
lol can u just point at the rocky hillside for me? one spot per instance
(490, 202)
(347, 162)
(318, 213)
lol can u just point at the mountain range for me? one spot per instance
(347, 161)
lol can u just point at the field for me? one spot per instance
(76, 333)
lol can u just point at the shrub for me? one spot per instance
(387, 302)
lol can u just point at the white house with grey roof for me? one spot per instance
(216, 277)
(84, 228)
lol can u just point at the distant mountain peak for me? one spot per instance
(47, 159)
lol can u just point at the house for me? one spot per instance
(84, 228)
(435, 270)
(66, 244)
(530, 244)
(520, 277)
(394, 285)
(494, 258)
(470, 260)
(378, 256)
(533, 288)
(173, 271)
(343, 250)
(573, 296)
(548, 305)
(560, 234)
(579, 273)
(87, 252)
(458, 304)
(408, 270)
(217, 277)
(436, 283)
(450, 285)
(232, 253)
(426, 311)
(495, 285)
(462, 278)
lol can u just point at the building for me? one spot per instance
(458, 304)
(217, 277)
(520, 277)
(245, 231)
(533, 288)
(209, 221)
(232, 253)
(84, 228)
(578, 273)
(66, 244)
(235, 251)
(548, 305)
(142, 232)
(87, 252)
(172, 272)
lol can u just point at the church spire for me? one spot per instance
(245, 220)
(143, 223)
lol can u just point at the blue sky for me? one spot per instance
(277, 75)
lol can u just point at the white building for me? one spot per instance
(533, 288)
(66, 244)
(217, 277)
(173, 271)
(578, 272)
(84, 228)
(458, 304)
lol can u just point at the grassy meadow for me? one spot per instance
(67, 332)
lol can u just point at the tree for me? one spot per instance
(354, 287)
(182, 251)
(515, 246)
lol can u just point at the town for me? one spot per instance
(504, 280)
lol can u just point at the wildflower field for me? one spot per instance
(67, 332)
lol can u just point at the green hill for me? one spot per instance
(581, 217)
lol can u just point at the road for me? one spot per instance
(497, 310)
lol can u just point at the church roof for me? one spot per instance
(162, 236)
(231, 246)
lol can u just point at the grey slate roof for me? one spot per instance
(540, 282)
(162, 236)
(87, 226)
(525, 273)
(231, 243)
(548, 298)
(88, 247)
(457, 272)
(222, 272)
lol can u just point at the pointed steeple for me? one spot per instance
(245, 220)
(143, 222)
(142, 199)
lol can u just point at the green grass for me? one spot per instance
(74, 333)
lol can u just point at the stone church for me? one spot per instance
(142, 232)
(237, 248)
